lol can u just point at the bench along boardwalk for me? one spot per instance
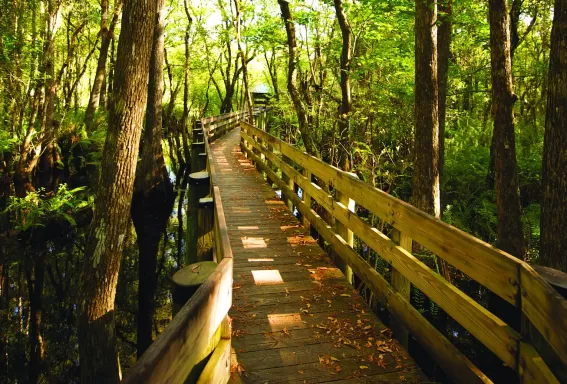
(295, 317)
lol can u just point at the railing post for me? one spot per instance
(198, 132)
(345, 233)
(307, 198)
(205, 229)
(199, 187)
(289, 182)
(186, 281)
(196, 149)
(402, 286)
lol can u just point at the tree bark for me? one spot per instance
(510, 232)
(242, 56)
(152, 201)
(298, 104)
(426, 169)
(346, 99)
(445, 8)
(553, 251)
(106, 33)
(97, 332)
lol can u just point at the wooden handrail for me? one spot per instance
(510, 278)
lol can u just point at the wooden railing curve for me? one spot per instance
(512, 279)
(179, 350)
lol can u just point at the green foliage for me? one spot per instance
(34, 209)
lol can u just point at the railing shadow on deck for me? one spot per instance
(179, 352)
(513, 280)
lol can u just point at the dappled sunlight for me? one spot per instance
(325, 273)
(259, 260)
(253, 242)
(247, 227)
(267, 277)
(240, 210)
(281, 321)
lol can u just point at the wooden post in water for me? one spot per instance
(198, 132)
(402, 286)
(205, 229)
(199, 187)
(187, 280)
(345, 233)
(196, 163)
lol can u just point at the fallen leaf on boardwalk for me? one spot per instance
(345, 295)
(301, 371)
(285, 332)
(363, 367)
(334, 358)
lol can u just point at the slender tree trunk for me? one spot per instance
(49, 127)
(554, 203)
(299, 106)
(426, 193)
(426, 169)
(244, 66)
(510, 233)
(445, 8)
(97, 332)
(185, 118)
(153, 193)
(106, 32)
(345, 106)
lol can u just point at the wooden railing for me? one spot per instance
(182, 351)
(506, 276)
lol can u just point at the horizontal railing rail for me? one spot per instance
(508, 277)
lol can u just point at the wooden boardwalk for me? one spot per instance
(295, 318)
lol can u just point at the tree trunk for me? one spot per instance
(106, 33)
(445, 9)
(345, 106)
(47, 173)
(554, 203)
(510, 233)
(298, 104)
(244, 66)
(426, 169)
(153, 193)
(426, 193)
(185, 118)
(97, 332)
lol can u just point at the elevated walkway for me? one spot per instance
(295, 317)
(276, 309)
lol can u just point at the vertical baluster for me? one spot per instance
(402, 286)
(345, 233)
(307, 198)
